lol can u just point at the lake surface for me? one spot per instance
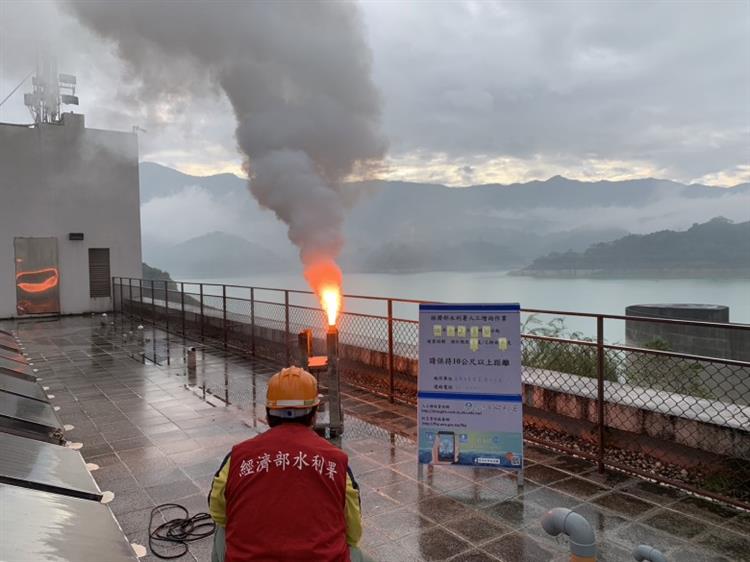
(609, 296)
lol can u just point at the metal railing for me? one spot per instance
(648, 407)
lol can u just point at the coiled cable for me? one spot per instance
(178, 531)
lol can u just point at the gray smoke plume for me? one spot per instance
(298, 77)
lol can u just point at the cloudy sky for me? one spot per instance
(472, 92)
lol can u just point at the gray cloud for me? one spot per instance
(666, 83)
(587, 89)
(297, 75)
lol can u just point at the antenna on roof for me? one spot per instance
(50, 91)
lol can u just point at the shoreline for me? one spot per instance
(688, 273)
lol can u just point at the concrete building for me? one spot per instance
(69, 216)
(695, 340)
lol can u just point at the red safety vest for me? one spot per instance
(285, 494)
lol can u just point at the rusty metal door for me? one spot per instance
(37, 276)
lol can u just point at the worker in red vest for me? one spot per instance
(287, 494)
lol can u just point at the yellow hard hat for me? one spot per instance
(292, 389)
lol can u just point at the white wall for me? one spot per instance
(58, 179)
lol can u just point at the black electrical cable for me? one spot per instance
(178, 531)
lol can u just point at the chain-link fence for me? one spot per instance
(646, 404)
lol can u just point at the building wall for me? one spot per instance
(61, 178)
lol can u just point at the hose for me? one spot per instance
(178, 531)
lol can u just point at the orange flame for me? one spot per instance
(51, 280)
(325, 279)
(330, 298)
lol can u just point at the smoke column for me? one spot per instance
(297, 75)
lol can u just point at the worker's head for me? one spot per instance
(292, 397)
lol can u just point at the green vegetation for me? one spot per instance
(646, 370)
(670, 374)
(155, 273)
(562, 356)
(717, 246)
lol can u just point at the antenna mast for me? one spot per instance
(46, 97)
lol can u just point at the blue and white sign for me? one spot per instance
(469, 399)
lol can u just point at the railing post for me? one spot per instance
(224, 309)
(201, 304)
(182, 306)
(286, 326)
(390, 351)
(252, 320)
(121, 305)
(140, 297)
(166, 303)
(130, 292)
(600, 388)
(153, 303)
(114, 304)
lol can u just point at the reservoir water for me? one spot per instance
(609, 296)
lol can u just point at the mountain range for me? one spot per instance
(714, 248)
(400, 226)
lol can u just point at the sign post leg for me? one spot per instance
(519, 481)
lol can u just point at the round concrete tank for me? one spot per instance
(695, 340)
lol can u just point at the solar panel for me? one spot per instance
(29, 418)
(17, 369)
(43, 526)
(9, 343)
(47, 467)
(21, 387)
(12, 356)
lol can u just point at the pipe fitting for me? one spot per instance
(191, 359)
(579, 531)
(645, 553)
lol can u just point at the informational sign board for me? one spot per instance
(469, 396)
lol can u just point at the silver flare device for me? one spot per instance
(334, 386)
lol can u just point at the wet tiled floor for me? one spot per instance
(158, 434)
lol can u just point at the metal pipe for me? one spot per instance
(286, 327)
(579, 532)
(191, 366)
(182, 306)
(166, 304)
(252, 320)
(201, 303)
(391, 390)
(334, 392)
(645, 553)
(600, 388)
(224, 313)
(153, 304)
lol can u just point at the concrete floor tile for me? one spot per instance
(578, 487)
(440, 508)
(434, 544)
(624, 504)
(675, 524)
(515, 547)
(399, 523)
(732, 545)
(477, 528)
(167, 439)
(515, 513)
